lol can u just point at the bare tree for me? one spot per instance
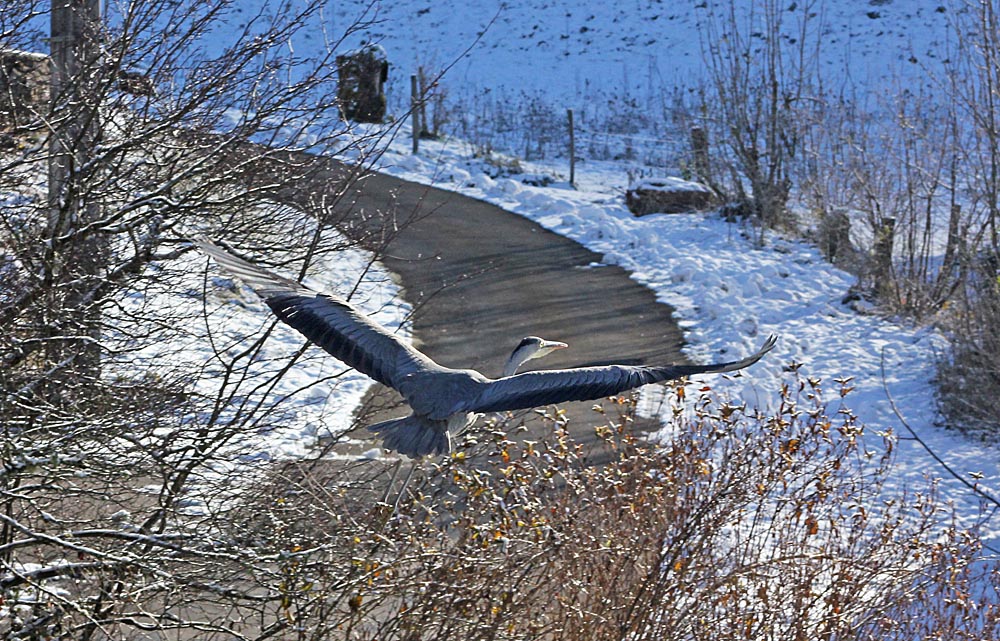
(761, 96)
(109, 439)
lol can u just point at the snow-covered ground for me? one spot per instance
(313, 401)
(622, 67)
(730, 292)
(576, 54)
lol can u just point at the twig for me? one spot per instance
(972, 486)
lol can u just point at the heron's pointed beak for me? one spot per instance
(547, 347)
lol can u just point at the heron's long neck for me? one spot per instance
(516, 359)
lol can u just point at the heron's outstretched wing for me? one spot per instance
(533, 389)
(327, 320)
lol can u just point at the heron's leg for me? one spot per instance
(406, 481)
(392, 481)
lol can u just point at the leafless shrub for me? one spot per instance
(969, 376)
(763, 93)
(895, 179)
(743, 525)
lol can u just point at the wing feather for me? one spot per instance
(327, 320)
(534, 389)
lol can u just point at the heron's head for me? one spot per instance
(530, 347)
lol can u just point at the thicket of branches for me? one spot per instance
(161, 125)
(901, 187)
(741, 526)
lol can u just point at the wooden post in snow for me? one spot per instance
(75, 52)
(572, 149)
(882, 250)
(423, 101)
(415, 112)
(699, 147)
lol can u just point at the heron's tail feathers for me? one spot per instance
(414, 436)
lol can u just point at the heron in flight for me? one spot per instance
(444, 401)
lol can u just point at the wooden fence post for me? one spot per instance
(699, 145)
(423, 101)
(572, 150)
(415, 113)
(884, 235)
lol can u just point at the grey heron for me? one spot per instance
(444, 401)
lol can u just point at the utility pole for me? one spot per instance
(75, 262)
(75, 53)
